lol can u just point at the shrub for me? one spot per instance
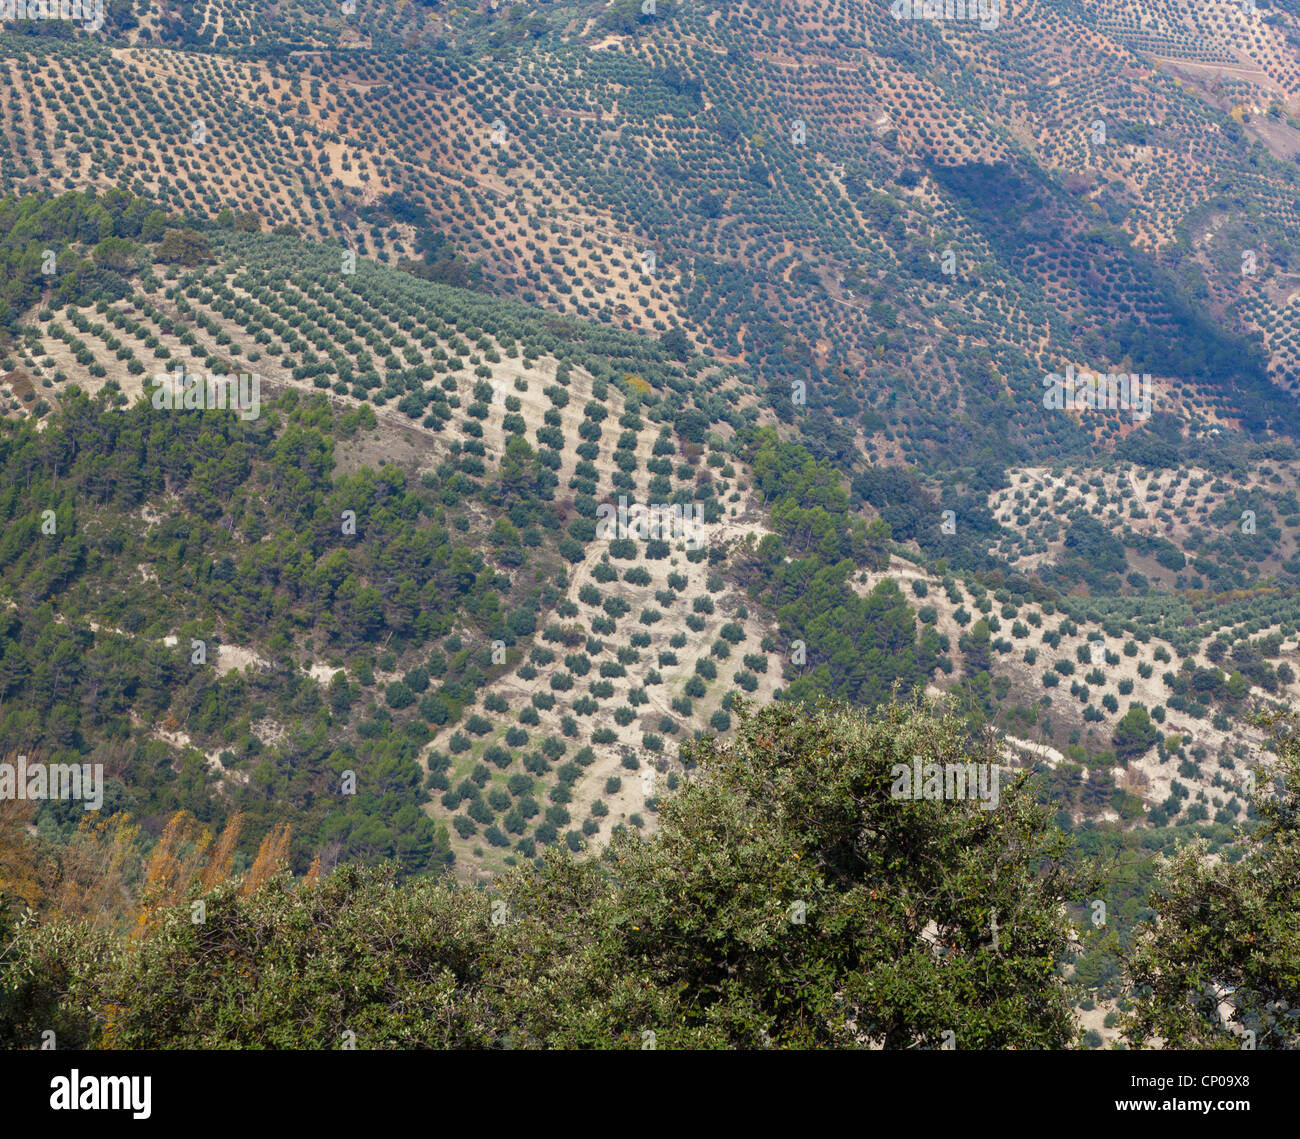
(399, 695)
(478, 725)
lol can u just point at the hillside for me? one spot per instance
(471, 284)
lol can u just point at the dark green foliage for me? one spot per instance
(833, 885)
(1225, 932)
